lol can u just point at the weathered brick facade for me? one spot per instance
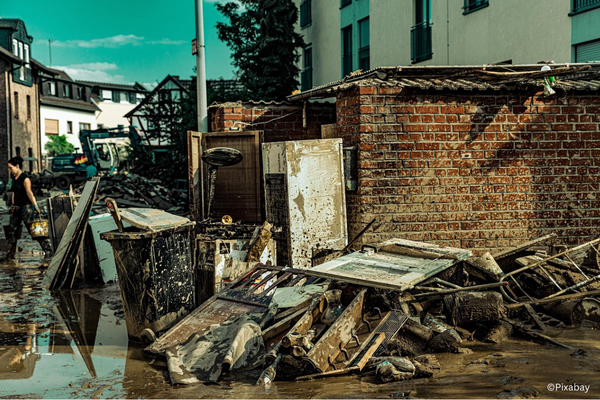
(279, 122)
(477, 170)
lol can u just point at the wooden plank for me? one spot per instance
(61, 271)
(151, 219)
(524, 246)
(387, 270)
(238, 187)
(329, 131)
(195, 173)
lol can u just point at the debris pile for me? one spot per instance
(136, 191)
(385, 310)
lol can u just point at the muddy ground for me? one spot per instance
(74, 344)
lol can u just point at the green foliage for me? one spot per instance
(264, 44)
(59, 145)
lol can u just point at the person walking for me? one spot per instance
(23, 208)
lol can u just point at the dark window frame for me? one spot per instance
(306, 77)
(347, 61)
(345, 3)
(28, 107)
(364, 50)
(421, 47)
(474, 5)
(16, 105)
(581, 6)
(305, 13)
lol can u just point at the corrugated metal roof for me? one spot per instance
(568, 77)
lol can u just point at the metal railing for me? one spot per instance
(420, 42)
(578, 6)
(473, 5)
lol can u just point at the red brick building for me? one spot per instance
(483, 158)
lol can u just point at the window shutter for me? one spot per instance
(588, 51)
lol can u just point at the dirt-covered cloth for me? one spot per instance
(232, 345)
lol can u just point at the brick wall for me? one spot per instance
(479, 171)
(278, 122)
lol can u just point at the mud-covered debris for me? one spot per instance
(579, 353)
(521, 392)
(464, 309)
(136, 191)
(387, 372)
(448, 341)
(426, 366)
(498, 333)
(412, 340)
(402, 364)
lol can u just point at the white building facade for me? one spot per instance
(343, 36)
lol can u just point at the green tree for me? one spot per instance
(264, 44)
(59, 145)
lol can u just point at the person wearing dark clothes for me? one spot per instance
(23, 207)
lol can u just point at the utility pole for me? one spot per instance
(201, 70)
(50, 51)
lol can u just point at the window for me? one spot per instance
(16, 105)
(346, 50)
(306, 77)
(578, 6)
(474, 5)
(106, 95)
(18, 151)
(364, 49)
(588, 51)
(124, 97)
(344, 3)
(67, 91)
(52, 88)
(420, 34)
(22, 73)
(116, 96)
(29, 107)
(51, 126)
(132, 98)
(84, 126)
(30, 155)
(305, 14)
(103, 151)
(15, 47)
(27, 55)
(69, 126)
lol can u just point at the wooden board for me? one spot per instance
(238, 187)
(388, 270)
(194, 175)
(61, 272)
(151, 219)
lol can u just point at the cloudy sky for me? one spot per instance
(121, 41)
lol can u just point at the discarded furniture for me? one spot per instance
(305, 196)
(250, 294)
(397, 264)
(155, 272)
(226, 251)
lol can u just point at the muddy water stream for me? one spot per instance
(74, 344)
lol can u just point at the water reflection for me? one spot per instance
(18, 351)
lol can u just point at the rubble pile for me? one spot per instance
(350, 327)
(136, 191)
